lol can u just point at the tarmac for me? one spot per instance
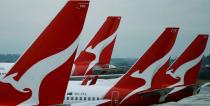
(201, 99)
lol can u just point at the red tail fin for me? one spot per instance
(183, 73)
(85, 81)
(142, 71)
(93, 82)
(185, 70)
(100, 48)
(34, 78)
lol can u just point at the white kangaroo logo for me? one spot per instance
(35, 74)
(182, 70)
(98, 49)
(148, 74)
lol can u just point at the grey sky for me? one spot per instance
(21, 21)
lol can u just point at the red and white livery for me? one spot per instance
(41, 75)
(125, 90)
(99, 50)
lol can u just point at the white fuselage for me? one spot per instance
(77, 93)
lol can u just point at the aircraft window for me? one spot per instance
(93, 98)
(70, 93)
(98, 98)
(76, 98)
(80, 98)
(72, 98)
(67, 98)
(85, 98)
(89, 98)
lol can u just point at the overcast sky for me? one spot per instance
(21, 21)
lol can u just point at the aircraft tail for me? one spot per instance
(182, 75)
(85, 81)
(94, 80)
(186, 68)
(144, 69)
(99, 49)
(33, 80)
